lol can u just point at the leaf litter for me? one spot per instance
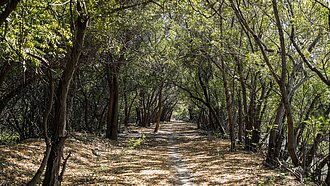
(99, 161)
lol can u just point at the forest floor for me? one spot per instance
(177, 155)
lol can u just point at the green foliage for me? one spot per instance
(135, 143)
(8, 138)
(317, 125)
(40, 28)
(181, 112)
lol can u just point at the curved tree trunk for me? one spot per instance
(284, 90)
(37, 176)
(59, 123)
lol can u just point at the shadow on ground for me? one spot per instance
(98, 161)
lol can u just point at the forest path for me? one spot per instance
(177, 155)
(176, 134)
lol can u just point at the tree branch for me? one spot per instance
(257, 40)
(306, 61)
(322, 4)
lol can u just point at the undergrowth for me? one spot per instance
(136, 142)
(8, 138)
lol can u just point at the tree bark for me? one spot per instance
(300, 129)
(47, 112)
(113, 103)
(312, 151)
(128, 108)
(126, 117)
(327, 179)
(275, 138)
(159, 113)
(229, 101)
(229, 107)
(258, 111)
(284, 90)
(242, 102)
(86, 113)
(59, 134)
(240, 118)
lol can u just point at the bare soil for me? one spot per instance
(177, 155)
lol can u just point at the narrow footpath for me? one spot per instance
(183, 175)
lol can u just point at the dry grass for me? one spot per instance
(98, 161)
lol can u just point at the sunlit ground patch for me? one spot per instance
(98, 161)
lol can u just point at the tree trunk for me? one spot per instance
(240, 118)
(300, 129)
(204, 83)
(53, 163)
(126, 114)
(59, 123)
(311, 153)
(257, 114)
(327, 180)
(47, 112)
(138, 116)
(243, 102)
(317, 175)
(112, 120)
(251, 131)
(211, 109)
(159, 108)
(291, 135)
(86, 113)
(200, 115)
(281, 80)
(284, 90)
(128, 109)
(275, 137)
(229, 101)
(229, 108)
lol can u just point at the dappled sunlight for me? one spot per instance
(176, 155)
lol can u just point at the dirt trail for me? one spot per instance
(183, 175)
(177, 155)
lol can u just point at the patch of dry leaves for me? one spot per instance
(98, 161)
(212, 163)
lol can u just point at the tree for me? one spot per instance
(281, 80)
(59, 133)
